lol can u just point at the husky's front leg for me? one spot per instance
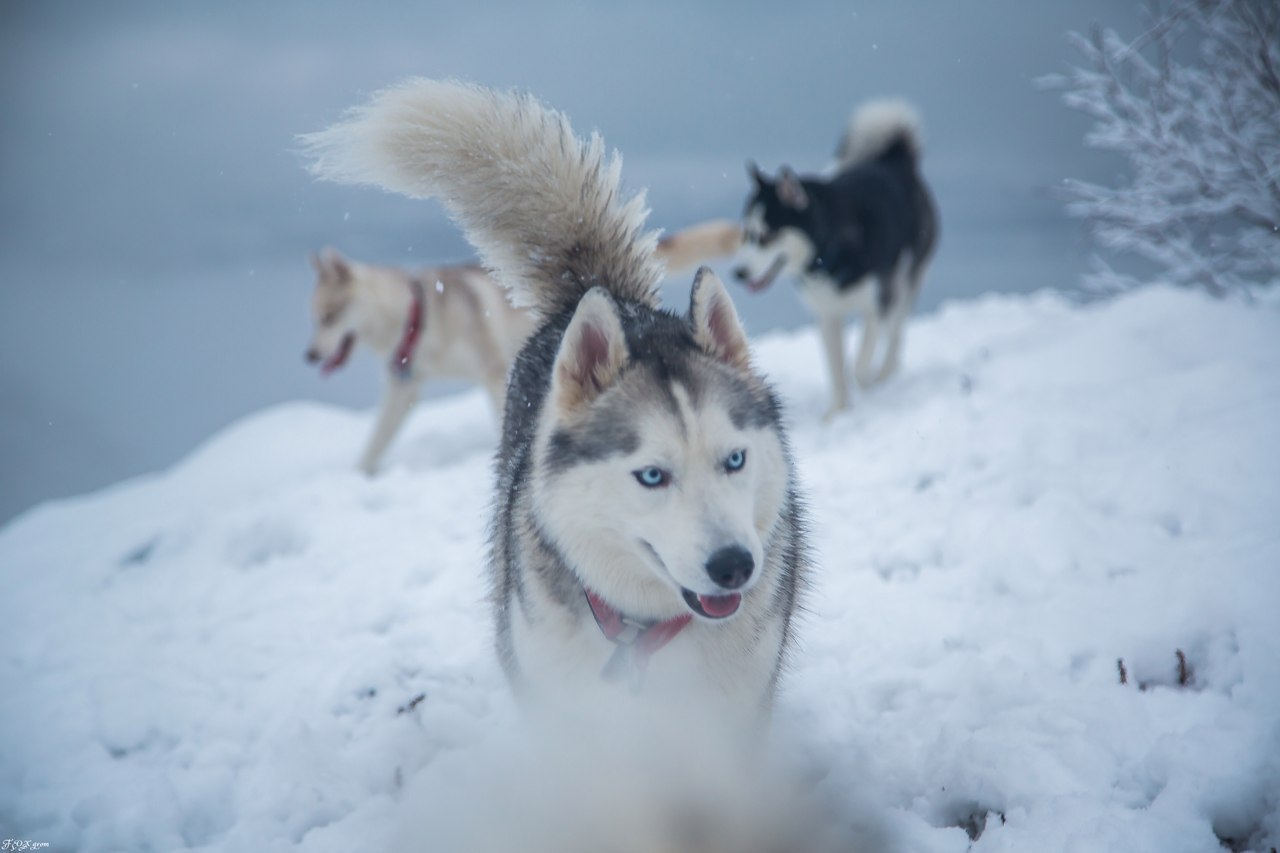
(832, 328)
(397, 400)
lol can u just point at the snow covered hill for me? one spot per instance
(260, 650)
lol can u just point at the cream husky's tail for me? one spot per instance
(542, 207)
(697, 244)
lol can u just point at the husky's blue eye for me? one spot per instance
(652, 477)
(735, 460)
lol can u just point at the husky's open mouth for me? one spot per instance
(756, 285)
(712, 606)
(340, 357)
(707, 606)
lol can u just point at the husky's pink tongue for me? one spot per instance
(720, 606)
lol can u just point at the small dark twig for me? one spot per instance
(411, 704)
(1184, 671)
(1124, 674)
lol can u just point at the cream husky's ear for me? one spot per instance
(716, 327)
(331, 262)
(592, 352)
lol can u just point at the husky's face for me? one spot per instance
(663, 473)
(332, 311)
(775, 230)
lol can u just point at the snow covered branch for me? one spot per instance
(1202, 137)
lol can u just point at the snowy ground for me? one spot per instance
(261, 650)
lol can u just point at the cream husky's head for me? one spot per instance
(333, 310)
(661, 472)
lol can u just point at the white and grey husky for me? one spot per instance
(857, 241)
(647, 526)
(450, 322)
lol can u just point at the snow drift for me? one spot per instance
(262, 650)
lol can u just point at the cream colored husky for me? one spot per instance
(450, 322)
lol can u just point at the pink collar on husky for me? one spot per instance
(412, 331)
(636, 642)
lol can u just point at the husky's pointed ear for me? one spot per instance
(791, 191)
(332, 261)
(592, 352)
(716, 327)
(753, 171)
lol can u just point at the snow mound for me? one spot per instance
(261, 649)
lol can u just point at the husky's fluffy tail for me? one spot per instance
(542, 207)
(875, 127)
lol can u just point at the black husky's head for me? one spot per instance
(777, 229)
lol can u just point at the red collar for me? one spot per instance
(636, 642)
(401, 363)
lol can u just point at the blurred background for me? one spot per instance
(155, 219)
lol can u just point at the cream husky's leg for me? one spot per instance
(832, 328)
(397, 400)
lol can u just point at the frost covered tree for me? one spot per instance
(1194, 105)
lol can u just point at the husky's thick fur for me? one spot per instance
(643, 461)
(858, 241)
(451, 322)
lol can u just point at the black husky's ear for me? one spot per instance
(790, 191)
(716, 327)
(756, 175)
(592, 353)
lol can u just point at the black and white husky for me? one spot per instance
(858, 241)
(647, 528)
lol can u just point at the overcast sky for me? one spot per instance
(155, 220)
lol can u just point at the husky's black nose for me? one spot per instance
(731, 566)
(312, 356)
(741, 273)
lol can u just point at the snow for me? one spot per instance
(226, 656)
